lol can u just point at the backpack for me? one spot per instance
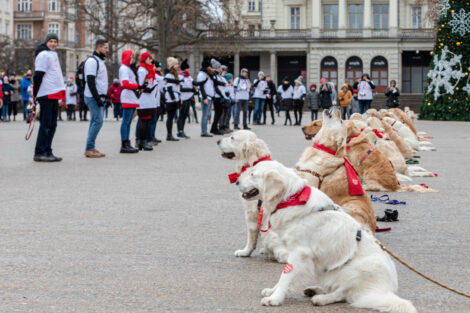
(80, 75)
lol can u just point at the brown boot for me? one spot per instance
(94, 154)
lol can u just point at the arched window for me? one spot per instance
(379, 68)
(329, 70)
(353, 69)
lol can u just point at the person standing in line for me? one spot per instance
(70, 98)
(1, 97)
(271, 93)
(392, 93)
(242, 87)
(80, 81)
(25, 83)
(334, 94)
(172, 95)
(220, 96)
(313, 102)
(285, 94)
(298, 100)
(7, 93)
(96, 90)
(224, 124)
(344, 98)
(114, 93)
(48, 89)
(207, 92)
(13, 108)
(354, 104)
(325, 94)
(260, 87)
(129, 99)
(365, 87)
(187, 97)
(160, 101)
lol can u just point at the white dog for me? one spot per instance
(322, 240)
(410, 138)
(248, 149)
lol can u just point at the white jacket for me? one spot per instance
(299, 92)
(260, 89)
(147, 100)
(172, 88)
(286, 94)
(242, 88)
(128, 96)
(187, 83)
(207, 89)
(47, 61)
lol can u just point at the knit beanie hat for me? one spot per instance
(244, 70)
(184, 65)
(206, 63)
(215, 63)
(171, 61)
(323, 80)
(298, 81)
(50, 36)
(313, 86)
(260, 73)
(229, 76)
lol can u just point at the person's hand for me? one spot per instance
(367, 79)
(34, 100)
(206, 101)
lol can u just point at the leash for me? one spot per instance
(385, 199)
(32, 118)
(421, 274)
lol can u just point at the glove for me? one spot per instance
(143, 86)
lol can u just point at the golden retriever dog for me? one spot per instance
(373, 113)
(401, 144)
(410, 138)
(411, 114)
(328, 173)
(247, 149)
(356, 117)
(325, 245)
(405, 119)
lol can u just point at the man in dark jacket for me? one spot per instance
(271, 92)
(325, 92)
(392, 93)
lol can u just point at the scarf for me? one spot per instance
(233, 177)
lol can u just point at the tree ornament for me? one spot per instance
(467, 86)
(460, 22)
(445, 7)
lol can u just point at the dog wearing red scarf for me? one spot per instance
(245, 147)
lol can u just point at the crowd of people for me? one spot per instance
(149, 91)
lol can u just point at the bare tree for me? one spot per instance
(164, 26)
(434, 11)
(7, 53)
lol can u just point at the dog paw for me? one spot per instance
(263, 251)
(319, 300)
(243, 253)
(271, 301)
(267, 292)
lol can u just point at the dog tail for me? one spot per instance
(418, 171)
(385, 302)
(402, 177)
(416, 188)
(422, 133)
(427, 148)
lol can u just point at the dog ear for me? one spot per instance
(274, 190)
(336, 114)
(253, 149)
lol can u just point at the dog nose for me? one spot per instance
(237, 183)
(218, 142)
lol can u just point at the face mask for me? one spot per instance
(313, 89)
(116, 84)
(12, 81)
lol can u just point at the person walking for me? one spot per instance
(325, 94)
(285, 94)
(48, 89)
(344, 98)
(71, 98)
(392, 93)
(1, 98)
(365, 87)
(270, 95)
(129, 99)
(207, 92)
(298, 100)
(7, 93)
(96, 90)
(313, 102)
(260, 91)
(114, 93)
(187, 97)
(172, 95)
(242, 86)
(24, 84)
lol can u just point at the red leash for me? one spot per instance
(32, 117)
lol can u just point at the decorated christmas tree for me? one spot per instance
(448, 86)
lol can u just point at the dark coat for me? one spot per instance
(313, 100)
(392, 98)
(325, 98)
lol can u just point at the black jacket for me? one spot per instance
(325, 98)
(392, 98)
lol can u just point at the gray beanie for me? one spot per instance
(215, 63)
(260, 73)
(50, 36)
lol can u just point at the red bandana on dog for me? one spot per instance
(300, 198)
(233, 177)
(355, 187)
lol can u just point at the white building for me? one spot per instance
(336, 39)
(6, 18)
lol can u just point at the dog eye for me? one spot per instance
(251, 174)
(232, 138)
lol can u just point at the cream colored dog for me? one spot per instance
(409, 136)
(245, 147)
(342, 260)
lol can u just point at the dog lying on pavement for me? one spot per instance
(343, 259)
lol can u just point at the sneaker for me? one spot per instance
(53, 158)
(206, 135)
(94, 154)
(42, 158)
(246, 127)
(236, 127)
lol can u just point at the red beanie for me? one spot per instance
(313, 86)
(144, 57)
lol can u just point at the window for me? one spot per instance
(260, 5)
(24, 31)
(355, 16)
(353, 69)
(7, 27)
(330, 16)
(54, 28)
(1, 25)
(251, 30)
(295, 18)
(251, 5)
(379, 68)
(329, 70)
(380, 16)
(7, 5)
(24, 5)
(416, 17)
(53, 6)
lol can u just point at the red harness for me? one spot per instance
(355, 187)
(300, 198)
(233, 177)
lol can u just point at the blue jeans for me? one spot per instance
(206, 114)
(117, 110)
(4, 110)
(364, 105)
(127, 115)
(25, 105)
(96, 121)
(234, 111)
(259, 107)
(153, 126)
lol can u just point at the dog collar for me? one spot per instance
(323, 148)
(316, 174)
(372, 148)
(233, 177)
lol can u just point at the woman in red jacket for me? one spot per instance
(114, 93)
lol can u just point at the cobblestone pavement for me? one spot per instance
(156, 231)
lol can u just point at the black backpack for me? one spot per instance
(80, 74)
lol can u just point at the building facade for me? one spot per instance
(6, 18)
(34, 19)
(335, 39)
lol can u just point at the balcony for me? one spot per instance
(279, 34)
(20, 16)
(417, 33)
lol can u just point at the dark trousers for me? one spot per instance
(70, 112)
(143, 130)
(242, 105)
(226, 115)
(364, 105)
(217, 114)
(171, 109)
(314, 115)
(117, 110)
(47, 126)
(82, 111)
(269, 103)
(184, 111)
(287, 118)
(13, 108)
(153, 126)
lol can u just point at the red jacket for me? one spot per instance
(1, 93)
(115, 93)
